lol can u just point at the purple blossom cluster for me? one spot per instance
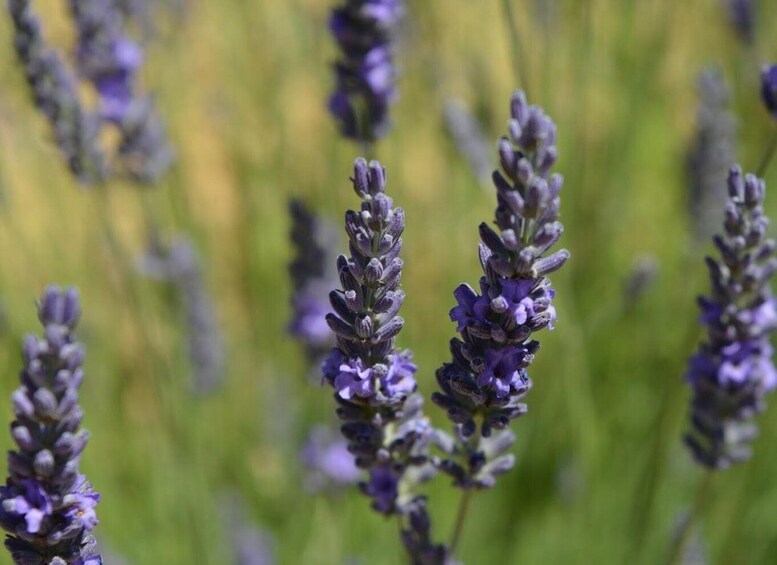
(485, 383)
(47, 505)
(733, 370)
(109, 60)
(365, 74)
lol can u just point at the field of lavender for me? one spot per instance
(210, 430)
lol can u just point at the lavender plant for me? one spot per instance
(108, 60)
(732, 371)
(374, 382)
(482, 388)
(712, 153)
(769, 88)
(47, 505)
(365, 74)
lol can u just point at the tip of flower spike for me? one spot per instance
(60, 307)
(368, 179)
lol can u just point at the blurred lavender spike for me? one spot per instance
(365, 31)
(251, 545)
(327, 461)
(711, 155)
(109, 59)
(55, 94)
(742, 16)
(47, 505)
(769, 89)
(733, 371)
(180, 265)
(470, 140)
(483, 386)
(641, 277)
(313, 276)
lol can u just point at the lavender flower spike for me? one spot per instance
(742, 16)
(733, 369)
(712, 154)
(484, 384)
(55, 92)
(365, 73)
(374, 382)
(46, 505)
(109, 60)
(313, 276)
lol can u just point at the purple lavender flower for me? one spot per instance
(711, 155)
(487, 378)
(365, 73)
(55, 93)
(312, 278)
(733, 369)
(741, 14)
(109, 60)
(327, 461)
(769, 88)
(46, 505)
(374, 383)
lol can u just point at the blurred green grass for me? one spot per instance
(242, 86)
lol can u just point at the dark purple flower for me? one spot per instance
(115, 87)
(32, 504)
(742, 15)
(487, 378)
(733, 370)
(769, 88)
(383, 489)
(47, 506)
(365, 73)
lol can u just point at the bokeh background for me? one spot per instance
(602, 476)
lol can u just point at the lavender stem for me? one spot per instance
(681, 541)
(516, 50)
(461, 518)
(767, 158)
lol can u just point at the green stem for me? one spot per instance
(767, 158)
(677, 551)
(516, 50)
(461, 518)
